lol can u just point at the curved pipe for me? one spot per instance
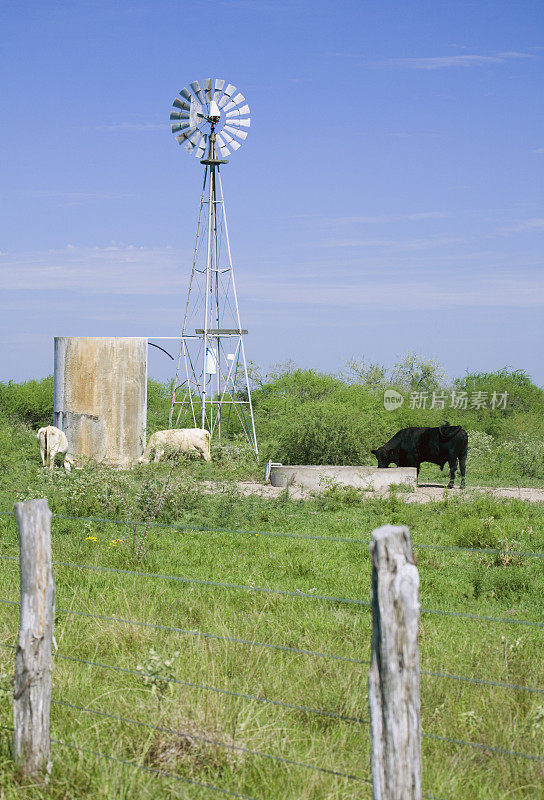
(161, 348)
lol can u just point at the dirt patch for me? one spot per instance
(425, 493)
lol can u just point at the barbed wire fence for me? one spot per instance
(280, 703)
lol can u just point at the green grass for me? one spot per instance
(485, 584)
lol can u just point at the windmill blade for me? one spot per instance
(185, 135)
(218, 88)
(237, 113)
(195, 114)
(229, 91)
(244, 123)
(179, 115)
(195, 86)
(238, 99)
(232, 104)
(208, 89)
(230, 141)
(223, 149)
(240, 134)
(186, 94)
(193, 141)
(180, 126)
(235, 145)
(201, 147)
(181, 104)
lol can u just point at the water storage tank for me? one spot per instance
(101, 396)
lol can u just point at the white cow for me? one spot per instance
(182, 440)
(52, 442)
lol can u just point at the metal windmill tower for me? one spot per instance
(211, 388)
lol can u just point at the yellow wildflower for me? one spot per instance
(91, 538)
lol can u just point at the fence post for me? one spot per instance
(393, 681)
(32, 686)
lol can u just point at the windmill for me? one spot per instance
(211, 387)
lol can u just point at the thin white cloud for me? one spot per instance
(522, 290)
(445, 62)
(539, 150)
(114, 269)
(145, 287)
(537, 223)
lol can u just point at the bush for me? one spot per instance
(30, 402)
(526, 455)
(328, 433)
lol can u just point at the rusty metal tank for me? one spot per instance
(101, 397)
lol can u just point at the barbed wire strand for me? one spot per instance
(204, 635)
(161, 772)
(215, 742)
(217, 690)
(287, 593)
(283, 535)
(454, 614)
(475, 745)
(428, 673)
(478, 745)
(483, 681)
(283, 592)
(214, 584)
(433, 736)
(153, 770)
(218, 584)
(280, 534)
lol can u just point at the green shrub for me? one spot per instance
(526, 455)
(30, 402)
(328, 433)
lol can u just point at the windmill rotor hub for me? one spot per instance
(200, 111)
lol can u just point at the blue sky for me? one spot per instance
(388, 197)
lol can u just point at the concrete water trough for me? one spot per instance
(318, 478)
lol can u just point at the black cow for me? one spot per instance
(410, 446)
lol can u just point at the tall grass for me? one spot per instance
(478, 583)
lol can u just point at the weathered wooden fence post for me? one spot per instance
(393, 682)
(32, 687)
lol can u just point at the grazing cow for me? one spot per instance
(410, 446)
(52, 442)
(181, 440)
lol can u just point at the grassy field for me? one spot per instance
(501, 586)
(244, 686)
